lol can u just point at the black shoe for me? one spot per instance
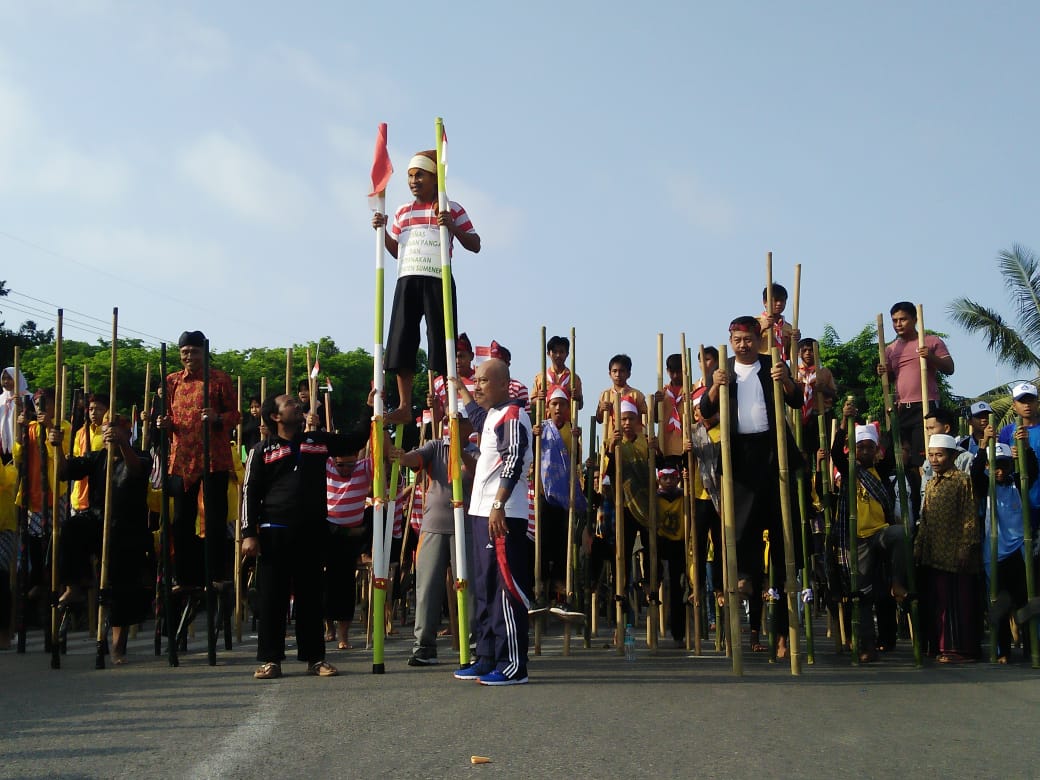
(1028, 612)
(423, 657)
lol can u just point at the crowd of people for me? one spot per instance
(887, 513)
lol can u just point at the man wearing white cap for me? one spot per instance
(1011, 565)
(1024, 403)
(414, 239)
(948, 547)
(880, 536)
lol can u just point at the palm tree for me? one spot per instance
(1017, 344)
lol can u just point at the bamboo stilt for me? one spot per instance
(790, 573)
(99, 661)
(729, 527)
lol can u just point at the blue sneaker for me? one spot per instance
(474, 671)
(497, 678)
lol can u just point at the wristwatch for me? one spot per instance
(497, 504)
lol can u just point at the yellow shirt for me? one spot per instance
(870, 515)
(81, 487)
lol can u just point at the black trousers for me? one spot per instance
(343, 548)
(188, 549)
(291, 563)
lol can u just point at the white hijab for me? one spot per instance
(7, 415)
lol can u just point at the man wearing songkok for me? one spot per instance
(414, 239)
(750, 377)
(558, 348)
(557, 437)
(903, 364)
(186, 414)
(499, 507)
(1011, 563)
(881, 539)
(285, 525)
(947, 546)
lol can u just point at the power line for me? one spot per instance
(122, 328)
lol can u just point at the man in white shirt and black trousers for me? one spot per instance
(498, 508)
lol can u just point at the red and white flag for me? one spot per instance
(382, 169)
(328, 384)
(316, 369)
(444, 149)
(480, 354)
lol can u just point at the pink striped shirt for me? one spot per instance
(346, 495)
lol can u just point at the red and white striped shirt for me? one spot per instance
(417, 214)
(346, 495)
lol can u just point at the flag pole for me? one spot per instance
(378, 600)
(620, 554)
(106, 527)
(56, 494)
(455, 449)
(288, 370)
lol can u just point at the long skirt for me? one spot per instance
(953, 614)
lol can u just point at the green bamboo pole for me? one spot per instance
(850, 488)
(590, 513)
(803, 514)
(1027, 543)
(572, 487)
(729, 528)
(164, 518)
(790, 571)
(55, 495)
(694, 627)
(991, 453)
(211, 526)
(620, 553)
(539, 584)
(904, 500)
(462, 575)
(106, 532)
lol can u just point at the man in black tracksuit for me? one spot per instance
(284, 523)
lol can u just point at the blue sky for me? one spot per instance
(205, 165)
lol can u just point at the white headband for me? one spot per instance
(423, 162)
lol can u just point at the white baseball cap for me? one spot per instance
(1023, 388)
(980, 407)
(1003, 450)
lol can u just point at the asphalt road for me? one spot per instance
(589, 715)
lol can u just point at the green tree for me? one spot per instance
(854, 365)
(27, 336)
(1015, 342)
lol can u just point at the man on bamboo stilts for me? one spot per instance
(499, 508)
(186, 414)
(414, 239)
(756, 464)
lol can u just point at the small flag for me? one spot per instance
(480, 354)
(328, 385)
(382, 168)
(444, 149)
(317, 368)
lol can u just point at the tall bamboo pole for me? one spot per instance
(288, 370)
(462, 575)
(729, 524)
(790, 572)
(238, 526)
(106, 532)
(652, 613)
(539, 584)
(146, 429)
(572, 488)
(213, 525)
(620, 553)
(56, 493)
(691, 544)
(21, 569)
(850, 489)
(164, 517)
(991, 455)
(904, 500)
(1027, 545)
(925, 401)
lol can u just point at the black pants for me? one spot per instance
(554, 545)
(673, 551)
(80, 539)
(1011, 576)
(414, 298)
(343, 548)
(291, 562)
(911, 434)
(189, 552)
